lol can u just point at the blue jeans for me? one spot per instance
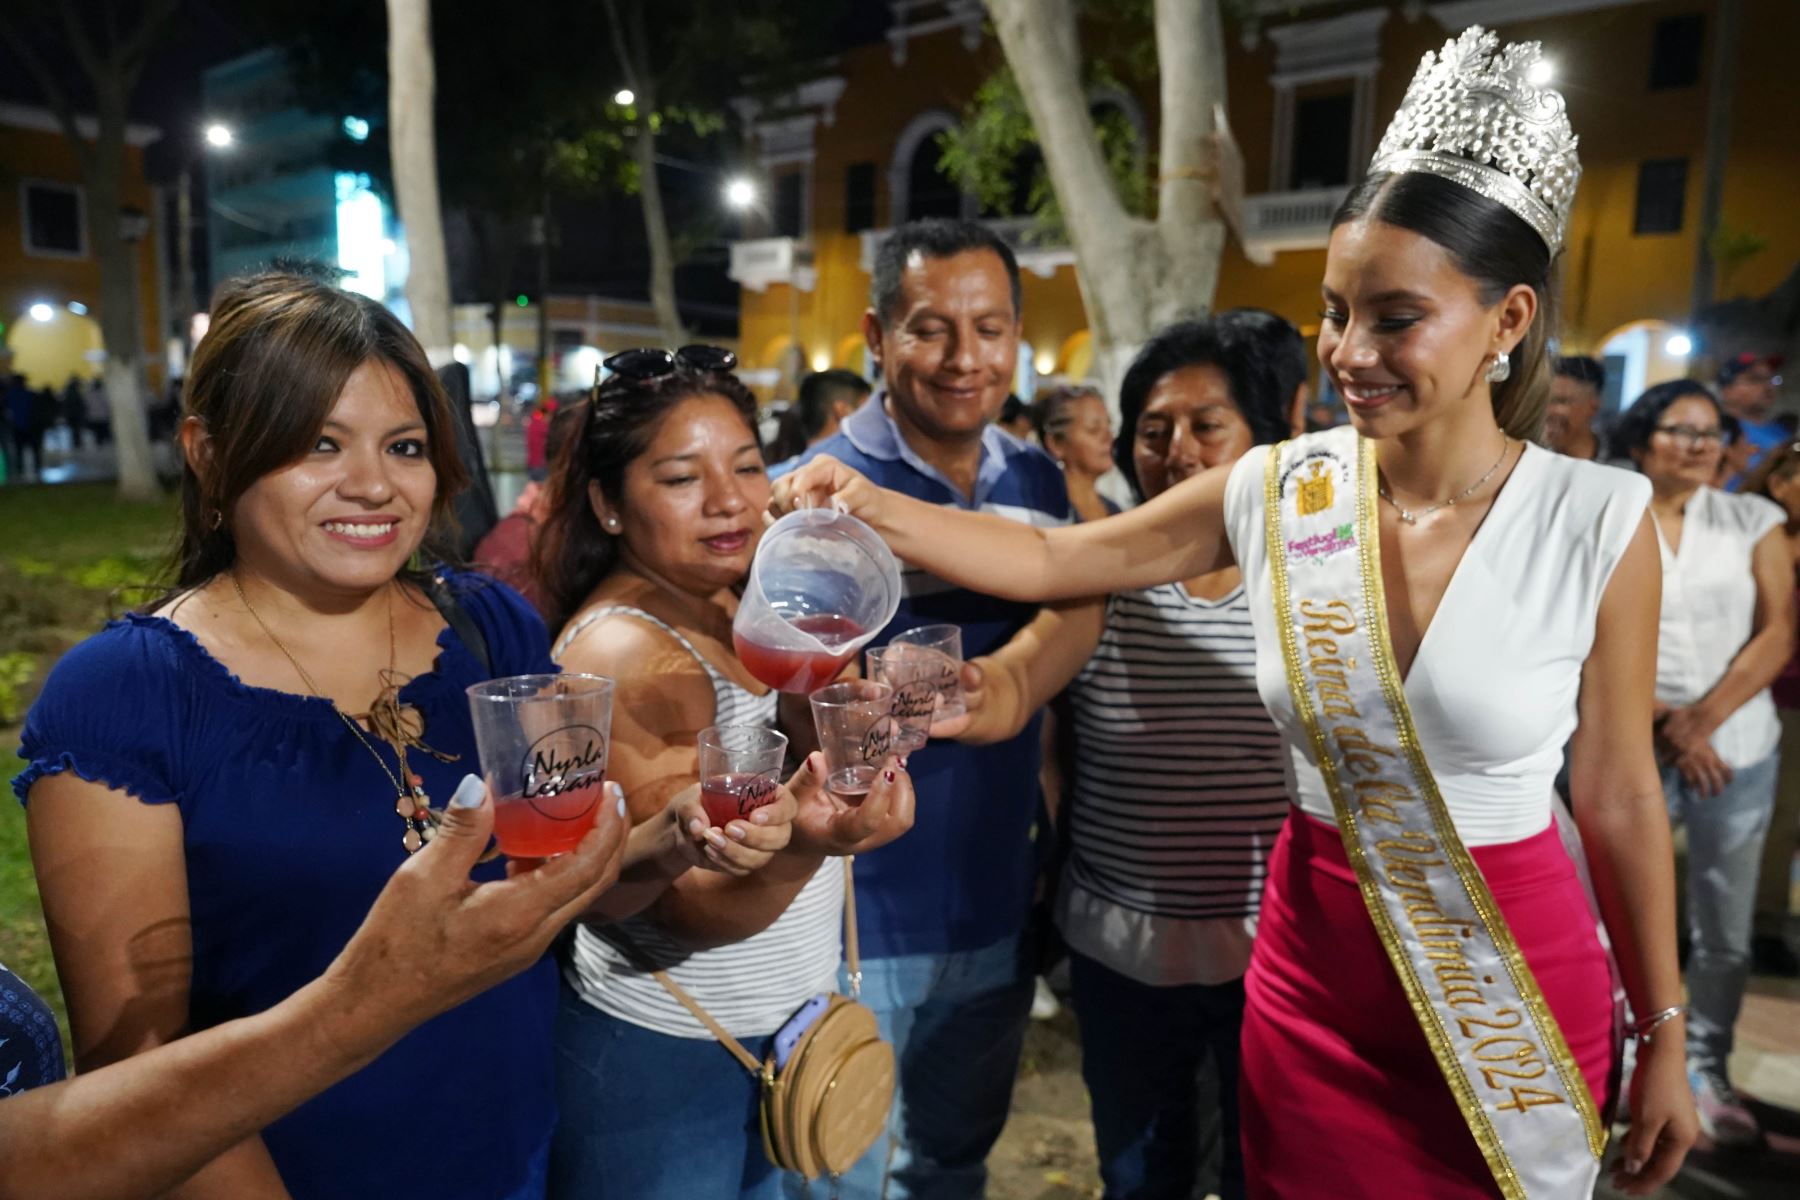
(646, 1116)
(1724, 850)
(1143, 1050)
(957, 1025)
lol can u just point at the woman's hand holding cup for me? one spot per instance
(828, 823)
(742, 845)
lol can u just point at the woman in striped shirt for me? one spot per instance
(655, 511)
(1178, 787)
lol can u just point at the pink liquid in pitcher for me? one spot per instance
(545, 825)
(728, 798)
(801, 671)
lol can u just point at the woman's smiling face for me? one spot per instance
(1405, 335)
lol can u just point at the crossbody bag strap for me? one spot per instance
(851, 958)
(717, 1030)
(713, 1027)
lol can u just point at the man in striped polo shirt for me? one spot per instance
(942, 911)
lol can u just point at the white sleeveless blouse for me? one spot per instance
(1494, 684)
(750, 987)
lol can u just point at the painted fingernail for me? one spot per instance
(903, 764)
(697, 827)
(888, 775)
(618, 795)
(715, 838)
(468, 793)
(737, 831)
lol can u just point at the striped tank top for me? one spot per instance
(750, 987)
(1179, 790)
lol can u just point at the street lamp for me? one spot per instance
(624, 97)
(740, 193)
(219, 135)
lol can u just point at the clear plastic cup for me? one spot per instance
(821, 585)
(912, 671)
(945, 641)
(856, 732)
(740, 770)
(543, 742)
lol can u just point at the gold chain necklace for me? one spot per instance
(1412, 518)
(388, 719)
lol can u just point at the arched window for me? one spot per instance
(916, 186)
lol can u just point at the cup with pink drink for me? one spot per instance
(543, 741)
(740, 770)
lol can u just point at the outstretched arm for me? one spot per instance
(142, 1126)
(1026, 673)
(1178, 535)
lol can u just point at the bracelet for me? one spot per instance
(1644, 1029)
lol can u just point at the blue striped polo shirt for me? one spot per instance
(963, 877)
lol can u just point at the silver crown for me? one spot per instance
(1472, 115)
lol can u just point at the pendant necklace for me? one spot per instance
(389, 720)
(1411, 516)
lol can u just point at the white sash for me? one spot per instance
(1514, 1080)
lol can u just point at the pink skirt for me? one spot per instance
(1339, 1093)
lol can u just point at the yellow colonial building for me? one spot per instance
(49, 273)
(1311, 85)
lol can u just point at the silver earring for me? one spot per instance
(1501, 368)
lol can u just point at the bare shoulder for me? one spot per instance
(636, 653)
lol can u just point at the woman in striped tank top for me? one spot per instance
(1178, 791)
(656, 508)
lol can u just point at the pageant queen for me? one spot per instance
(1439, 606)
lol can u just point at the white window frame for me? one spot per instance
(81, 230)
(1346, 48)
(921, 127)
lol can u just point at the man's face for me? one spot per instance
(1751, 396)
(948, 350)
(1571, 409)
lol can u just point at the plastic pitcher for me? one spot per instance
(822, 584)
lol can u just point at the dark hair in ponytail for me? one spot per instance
(1493, 246)
(571, 553)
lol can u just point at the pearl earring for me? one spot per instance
(1501, 368)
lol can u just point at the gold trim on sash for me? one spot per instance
(1317, 498)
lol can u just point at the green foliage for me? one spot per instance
(1732, 248)
(993, 154)
(16, 671)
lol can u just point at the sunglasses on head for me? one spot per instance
(647, 364)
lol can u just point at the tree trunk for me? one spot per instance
(656, 230)
(121, 324)
(1136, 275)
(411, 90)
(632, 49)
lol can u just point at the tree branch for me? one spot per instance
(135, 50)
(80, 43)
(1191, 65)
(54, 95)
(1039, 39)
(622, 50)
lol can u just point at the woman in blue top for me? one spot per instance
(219, 789)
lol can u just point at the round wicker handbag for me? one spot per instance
(825, 1107)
